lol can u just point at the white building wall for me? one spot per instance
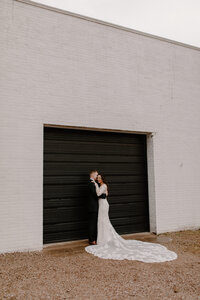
(64, 70)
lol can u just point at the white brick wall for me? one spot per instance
(60, 69)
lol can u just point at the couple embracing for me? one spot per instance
(104, 241)
(98, 190)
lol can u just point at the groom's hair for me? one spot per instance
(93, 171)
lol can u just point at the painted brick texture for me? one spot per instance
(60, 69)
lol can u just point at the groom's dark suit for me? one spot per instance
(93, 207)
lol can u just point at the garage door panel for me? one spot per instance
(83, 179)
(68, 226)
(64, 214)
(63, 168)
(55, 190)
(81, 190)
(56, 237)
(128, 188)
(65, 179)
(129, 178)
(86, 158)
(64, 202)
(127, 209)
(126, 198)
(134, 228)
(80, 201)
(81, 233)
(69, 155)
(67, 214)
(52, 146)
(126, 220)
(60, 227)
(91, 136)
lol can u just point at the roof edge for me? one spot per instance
(105, 23)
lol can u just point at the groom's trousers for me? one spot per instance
(93, 217)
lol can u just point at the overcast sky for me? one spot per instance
(178, 20)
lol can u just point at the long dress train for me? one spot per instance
(110, 245)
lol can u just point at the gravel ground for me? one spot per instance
(68, 272)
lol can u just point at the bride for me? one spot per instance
(110, 245)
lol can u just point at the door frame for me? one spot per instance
(150, 164)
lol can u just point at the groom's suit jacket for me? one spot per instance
(93, 204)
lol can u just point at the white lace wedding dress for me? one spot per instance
(110, 245)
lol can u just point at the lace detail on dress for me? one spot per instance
(110, 245)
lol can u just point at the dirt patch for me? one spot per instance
(68, 272)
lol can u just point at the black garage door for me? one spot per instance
(69, 155)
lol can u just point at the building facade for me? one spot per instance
(61, 71)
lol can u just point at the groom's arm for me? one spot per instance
(103, 196)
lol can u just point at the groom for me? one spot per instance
(93, 207)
